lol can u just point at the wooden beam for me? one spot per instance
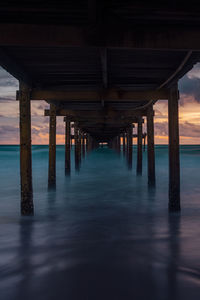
(175, 73)
(92, 11)
(104, 67)
(105, 114)
(109, 95)
(25, 151)
(109, 35)
(174, 156)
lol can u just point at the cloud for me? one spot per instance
(161, 129)
(5, 99)
(160, 114)
(43, 106)
(195, 72)
(7, 128)
(9, 134)
(188, 129)
(8, 87)
(7, 80)
(190, 87)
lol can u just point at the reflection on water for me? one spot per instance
(102, 234)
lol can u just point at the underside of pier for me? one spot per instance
(102, 65)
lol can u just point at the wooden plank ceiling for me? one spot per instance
(98, 68)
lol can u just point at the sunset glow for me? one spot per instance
(189, 113)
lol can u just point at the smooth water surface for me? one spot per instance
(102, 234)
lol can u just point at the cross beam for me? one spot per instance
(107, 35)
(104, 114)
(108, 95)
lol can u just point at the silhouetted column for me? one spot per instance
(151, 151)
(174, 159)
(127, 142)
(83, 144)
(76, 143)
(79, 145)
(52, 146)
(144, 142)
(67, 146)
(116, 146)
(25, 151)
(124, 143)
(118, 140)
(130, 146)
(90, 143)
(87, 142)
(114, 143)
(139, 147)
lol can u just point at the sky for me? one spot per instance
(189, 113)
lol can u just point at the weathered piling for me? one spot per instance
(151, 151)
(139, 146)
(67, 146)
(76, 143)
(79, 146)
(52, 146)
(25, 151)
(144, 146)
(130, 146)
(118, 144)
(124, 143)
(174, 159)
(113, 142)
(87, 142)
(83, 144)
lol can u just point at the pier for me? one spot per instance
(102, 66)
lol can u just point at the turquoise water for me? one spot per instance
(102, 234)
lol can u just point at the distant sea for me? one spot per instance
(102, 233)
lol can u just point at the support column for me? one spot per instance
(145, 141)
(79, 145)
(52, 146)
(67, 146)
(118, 143)
(76, 143)
(124, 143)
(174, 159)
(139, 147)
(151, 151)
(83, 144)
(130, 146)
(25, 151)
(87, 142)
(127, 142)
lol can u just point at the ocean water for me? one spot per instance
(102, 233)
